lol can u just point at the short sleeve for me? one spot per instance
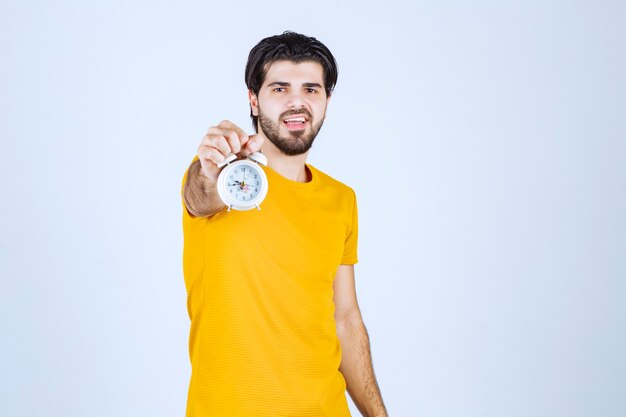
(350, 246)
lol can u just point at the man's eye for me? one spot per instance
(279, 89)
(311, 90)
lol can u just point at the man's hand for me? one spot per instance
(222, 140)
(200, 192)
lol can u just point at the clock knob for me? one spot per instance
(229, 158)
(258, 157)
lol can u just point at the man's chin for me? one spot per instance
(292, 146)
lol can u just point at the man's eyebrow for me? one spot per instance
(284, 84)
(279, 83)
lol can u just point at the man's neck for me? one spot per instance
(290, 167)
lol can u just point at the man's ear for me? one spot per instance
(254, 103)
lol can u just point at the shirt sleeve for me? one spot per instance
(350, 246)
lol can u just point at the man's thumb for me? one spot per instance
(254, 143)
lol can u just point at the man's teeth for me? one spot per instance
(296, 120)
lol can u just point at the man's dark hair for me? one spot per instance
(289, 46)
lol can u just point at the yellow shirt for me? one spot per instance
(263, 341)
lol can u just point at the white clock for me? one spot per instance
(242, 183)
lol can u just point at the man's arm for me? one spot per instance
(200, 192)
(356, 360)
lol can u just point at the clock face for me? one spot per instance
(244, 182)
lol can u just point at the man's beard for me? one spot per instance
(298, 142)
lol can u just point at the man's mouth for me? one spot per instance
(295, 122)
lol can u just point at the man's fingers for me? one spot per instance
(227, 138)
(234, 135)
(234, 141)
(210, 154)
(241, 134)
(218, 142)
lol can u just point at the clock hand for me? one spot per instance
(242, 184)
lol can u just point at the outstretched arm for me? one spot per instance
(356, 360)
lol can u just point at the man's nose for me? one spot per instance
(295, 99)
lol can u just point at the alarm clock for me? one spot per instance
(242, 183)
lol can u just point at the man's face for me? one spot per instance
(291, 105)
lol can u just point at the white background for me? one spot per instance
(486, 142)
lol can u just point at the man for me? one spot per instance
(275, 325)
